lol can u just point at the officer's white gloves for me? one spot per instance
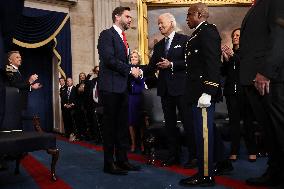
(204, 101)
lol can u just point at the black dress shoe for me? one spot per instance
(111, 168)
(223, 167)
(127, 166)
(264, 180)
(190, 164)
(197, 181)
(170, 161)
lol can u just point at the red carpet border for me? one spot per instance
(42, 175)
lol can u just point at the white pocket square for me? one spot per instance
(177, 46)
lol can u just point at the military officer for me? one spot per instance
(202, 54)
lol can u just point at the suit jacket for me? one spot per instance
(114, 63)
(72, 98)
(262, 42)
(171, 81)
(231, 71)
(203, 58)
(62, 90)
(15, 79)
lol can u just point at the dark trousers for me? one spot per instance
(200, 136)
(81, 119)
(240, 108)
(274, 104)
(68, 115)
(254, 110)
(115, 127)
(234, 113)
(169, 105)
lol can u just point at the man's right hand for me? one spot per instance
(33, 78)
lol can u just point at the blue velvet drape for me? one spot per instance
(10, 12)
(37, 25)
(34, 27)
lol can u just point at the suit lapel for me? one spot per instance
(173, 43)
(118, 39)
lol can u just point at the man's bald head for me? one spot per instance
(196, 14)
(201, 8)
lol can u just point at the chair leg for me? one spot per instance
(18, 161)
(150, 149)
(17, 168)
(55, 156)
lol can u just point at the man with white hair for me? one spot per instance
(168, 58)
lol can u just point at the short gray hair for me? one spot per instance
(171, 18)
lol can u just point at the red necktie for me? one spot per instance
(125, 42)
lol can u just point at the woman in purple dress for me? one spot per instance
(135, 104)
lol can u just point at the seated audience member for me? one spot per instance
(135, 103)
(236, 103)
(69, 103)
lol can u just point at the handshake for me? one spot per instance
(34, 85)
(136, 72)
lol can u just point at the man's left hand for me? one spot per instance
(261, 83)
(164, 64)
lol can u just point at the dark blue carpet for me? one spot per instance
(81, 168)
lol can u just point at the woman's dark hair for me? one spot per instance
(232, 34)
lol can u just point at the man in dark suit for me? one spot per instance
(113, 78)
(168, 57)
(68, 100)
(62, 84)
(16, 80)
(203, 58)
(262, 65)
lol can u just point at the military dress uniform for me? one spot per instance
(202, 56)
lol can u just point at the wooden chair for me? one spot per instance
(16, 143)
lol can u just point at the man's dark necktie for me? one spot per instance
(68, 92)
(167, 45)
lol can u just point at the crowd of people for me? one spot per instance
(78, 106)
(190, 70)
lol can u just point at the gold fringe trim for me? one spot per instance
(58, 56)
(44, 42)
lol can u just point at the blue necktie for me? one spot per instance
(167, 45)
